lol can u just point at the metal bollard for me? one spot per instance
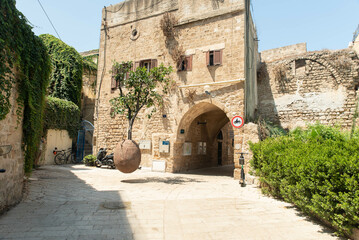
(242, 181)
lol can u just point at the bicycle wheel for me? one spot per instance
(71, 158)
(59, 159)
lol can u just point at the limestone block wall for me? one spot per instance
(283, 52)
(88, 94)
(317, 86)
(55, 138)
(356, 45)
(11, 182)
(202, 26)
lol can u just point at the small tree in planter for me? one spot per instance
(141, 88)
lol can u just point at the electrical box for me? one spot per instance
(145, 144)
(158, 166)
(164, 147)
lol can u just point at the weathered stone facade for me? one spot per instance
(11, 182)
(356, 45)
(88, 94)
(312, 87)
(204, 99)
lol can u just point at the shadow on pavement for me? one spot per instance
(226, 171)
(167, 180)
(59, 205)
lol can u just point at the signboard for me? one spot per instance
(145, 144)
(237, 122)
(187, 149)
(164, 146)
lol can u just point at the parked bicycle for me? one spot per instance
(64, 156)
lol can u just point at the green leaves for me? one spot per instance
(62, 114)
(317, 169)
(67, 68)
(24, 53)
(139, 88)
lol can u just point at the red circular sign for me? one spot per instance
(237, 122)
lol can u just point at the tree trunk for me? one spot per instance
(129, 133)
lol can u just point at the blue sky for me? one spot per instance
(323, 24)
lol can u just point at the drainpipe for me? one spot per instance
(246, 70)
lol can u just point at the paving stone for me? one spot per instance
(210, 207)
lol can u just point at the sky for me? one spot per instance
(322, 24)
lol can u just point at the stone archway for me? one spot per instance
(196, 143)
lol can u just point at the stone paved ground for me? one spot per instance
(77, 202)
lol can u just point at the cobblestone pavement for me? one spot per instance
(78, 202)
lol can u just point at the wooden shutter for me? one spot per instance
(189, 63)
(137, 64)
(153, 63)
(207, 58)
(217, 57)
(113, 79)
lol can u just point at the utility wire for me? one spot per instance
(49, 19)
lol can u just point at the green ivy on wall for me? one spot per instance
(67, 68)
(24, 53)
(62, 114)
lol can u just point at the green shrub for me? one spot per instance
(62, 114)
(89, 160)
(316, 169)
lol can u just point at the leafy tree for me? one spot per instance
(138, 89)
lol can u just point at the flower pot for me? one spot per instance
(127, 156)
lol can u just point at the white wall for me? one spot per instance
(55, 138)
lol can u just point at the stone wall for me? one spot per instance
(283, 52)
(356, 45)
(55, 138)
(202, 27)
(11, 182)
(88, 94)
(317, 86)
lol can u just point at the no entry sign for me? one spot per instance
(237, 122)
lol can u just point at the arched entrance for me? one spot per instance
(204, 139)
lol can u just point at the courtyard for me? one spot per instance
(79, 202)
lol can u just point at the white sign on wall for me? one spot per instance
(187, 149)
(164, 147)
(145, 144)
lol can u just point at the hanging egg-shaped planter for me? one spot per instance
(127, 156)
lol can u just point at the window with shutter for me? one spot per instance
(186, 64)
(214, 58)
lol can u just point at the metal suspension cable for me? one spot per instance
(49, 19)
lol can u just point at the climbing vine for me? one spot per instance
(67, 69)
(24, 53)
(63, 115)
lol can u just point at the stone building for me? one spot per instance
(215, 82)
(356, 42)
(88, 94)
(88, 98)
(11, 157)
(298, 87)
